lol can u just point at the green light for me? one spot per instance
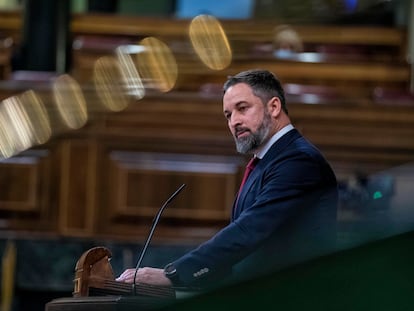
(377, 195)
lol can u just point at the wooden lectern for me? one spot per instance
(95, 288)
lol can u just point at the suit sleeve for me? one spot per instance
(278, 193)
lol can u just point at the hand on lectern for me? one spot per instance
(147, 275)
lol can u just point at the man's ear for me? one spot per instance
(274, 106)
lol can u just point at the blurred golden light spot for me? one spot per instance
(17, 118)
(70, 101)
(210, 42)
(23, 123)
(132, 80)
(8, 135)
(157, 64)
(38, 117)
(108, 79)
(6, 146)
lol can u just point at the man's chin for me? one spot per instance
(243, 149)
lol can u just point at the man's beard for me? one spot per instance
(251, 142)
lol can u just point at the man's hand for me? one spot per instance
(153, 276)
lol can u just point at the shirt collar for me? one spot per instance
(273, 139)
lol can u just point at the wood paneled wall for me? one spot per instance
(109, 178)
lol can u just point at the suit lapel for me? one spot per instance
(274, 152)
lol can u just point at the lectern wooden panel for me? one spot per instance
(105, 303)
(95, 288)
(94, 277)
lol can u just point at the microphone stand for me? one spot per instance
(154, 224)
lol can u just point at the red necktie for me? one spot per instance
(249, 168)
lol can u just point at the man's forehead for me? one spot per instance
(240, 89)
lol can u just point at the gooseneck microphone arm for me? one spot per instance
(154, 224)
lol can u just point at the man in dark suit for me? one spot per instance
(286, 210)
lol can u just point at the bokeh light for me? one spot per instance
(38, 118)
(24, 122)
(157, 64)
(109, 83)
(131, 78)
(210, 42)
(7, 136)
(70, 101)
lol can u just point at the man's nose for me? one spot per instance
(234, 120)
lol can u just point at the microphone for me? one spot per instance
(154, 224)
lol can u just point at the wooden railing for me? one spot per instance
(355, 60)
(377, 58)
(250, 30)
(259, 31)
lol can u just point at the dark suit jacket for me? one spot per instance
(286, 213)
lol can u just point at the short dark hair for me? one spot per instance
(264, 84)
